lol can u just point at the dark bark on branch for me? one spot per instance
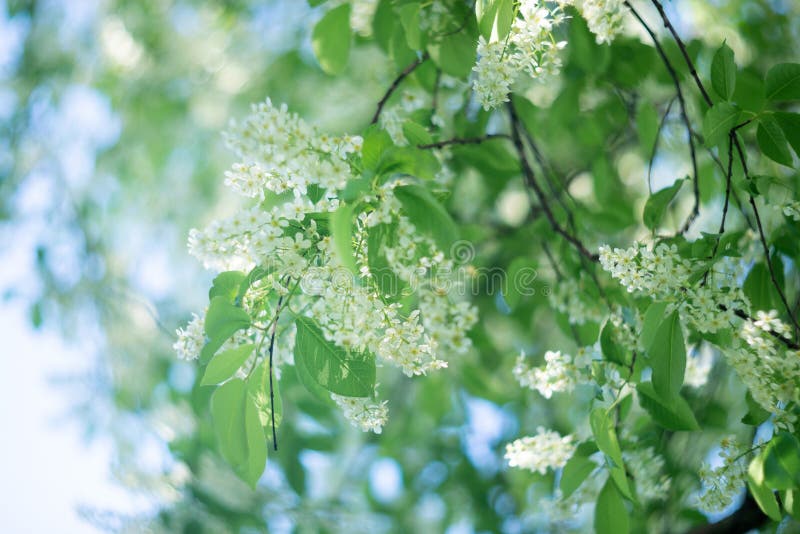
(684, 115)
(530, 180)
(464, 141)
(396, 83)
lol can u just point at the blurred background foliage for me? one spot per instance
(110, 150)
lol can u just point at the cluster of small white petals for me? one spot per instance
(646, 467)
(723, 483)
(391, 121)
(769, 371)
(698, 367)
(494, 74)
(546, 450)
(560, 373)
(531, 47)
(792, 209)
(296, 174)
(604, 17)
(361, 14)
(363, 413)
(190, 339)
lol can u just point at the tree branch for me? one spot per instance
(530, 179)
(684, 115)
(464, 141)
(271, 387)
(739, 150)
(668, 25)
(396, 83)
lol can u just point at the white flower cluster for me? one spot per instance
(190, 339)
(723, 483)
(391, 121)
(769, 371)
(604, 18)
(646, 467)
(560, 373)
(296, 173)
(791, 209)
(361, 14)
(532, 46)
(546, 450)
(363, 413)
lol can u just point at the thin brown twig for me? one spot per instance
(655, 146)
(396, 83)
(464, 141)
(689, 63)
(684, 115)
(742, 159)
(271, 387)
(530, 179)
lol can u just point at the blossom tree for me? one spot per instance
(347, 259)
(569, 209)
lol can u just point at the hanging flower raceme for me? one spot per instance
(532, 45)
(320, 280)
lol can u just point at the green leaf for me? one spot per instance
(759, 490)
(783, 82)
(227, 285)
(346, 373)
(455, 53)
(223, 365)
(239, 432)
(772, 142)
(657, 204)
(791, 502)
(668, 358)
(518, 281)
(675, 415)
(719, 121)
(495, 18)
(342, 236)
(759, 289)
(610, 514)
(574, 473)
(606, 437)
(416, 134)
(253, 468)
(228, 413)
(782, 462)
(379, 236)
(647, 121)
(223, 319)
(409, 18)
(428, 215)
(652, 318)
(376, 143)
(330, 39)
(723, 72)
(258, 390)
(790, 124)
(611, 349)
(755, 413)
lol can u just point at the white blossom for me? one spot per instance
(723, 483)
(546, 450)
(363, 413)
